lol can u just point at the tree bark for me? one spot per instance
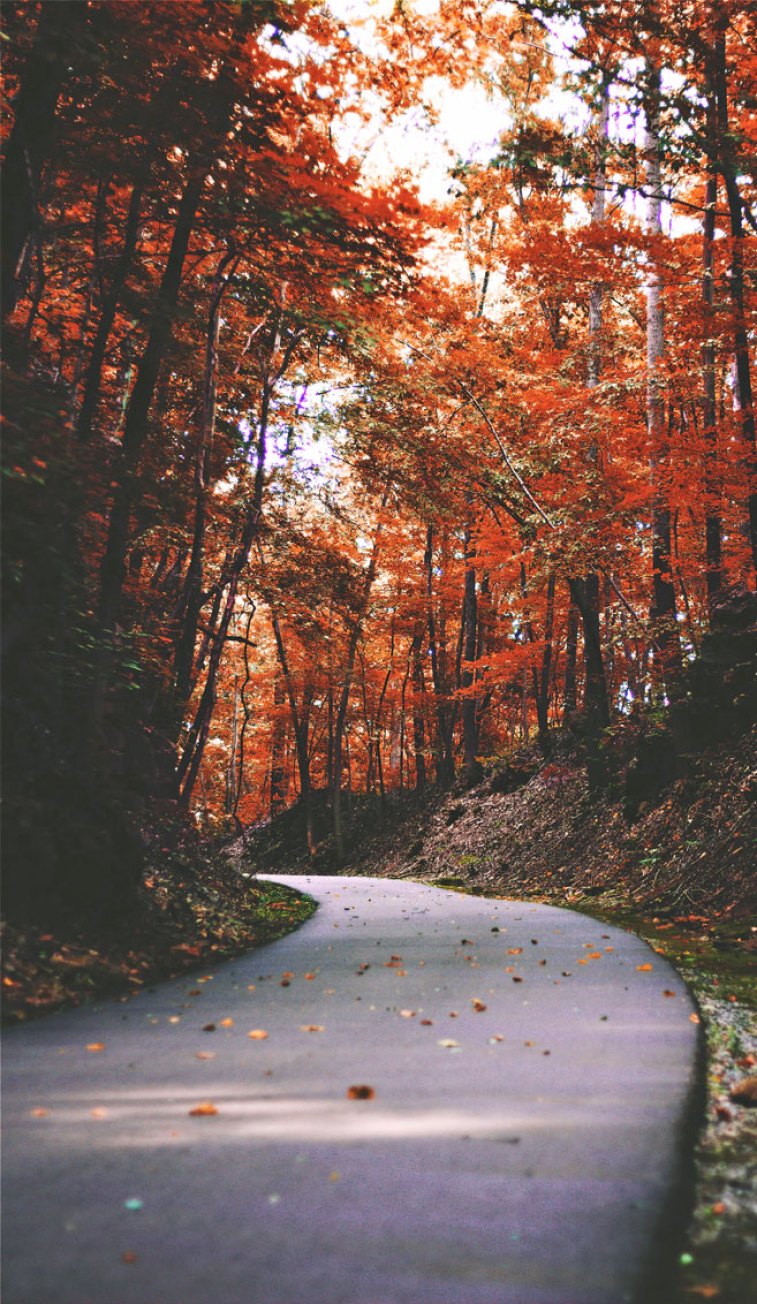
(445, 770)
(663, 604)
(191, 601)
(278, 749)
(341, 715)
(419, 741)
(107, 316)
(31, 140)
(469, 648)
(729, 169)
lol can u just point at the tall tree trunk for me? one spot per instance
(585, 591)
(542, 703)
(107, 315)
(301, 728)
(570, 699)
(663, 605)
(30, 143)
(232, 777)
(729, 167)
(445, 772)
(194, 746)
(191, 601)
(713, 526)
(585, 594)
(419, 741)
(341, 715)
(113, 568)
(469, 647)
(278, 748)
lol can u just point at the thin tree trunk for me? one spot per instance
(570, 699)
(419, 741)
(663, 605)
(341, 716)
(713, 526)
(444, 766)
(300, 725)
(469, 648)
(107, 316)
(278, 745)
(729, 168)
(191, 601)
(113, 568)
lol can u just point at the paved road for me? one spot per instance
(521, 1153)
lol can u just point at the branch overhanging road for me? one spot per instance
(528, 1152)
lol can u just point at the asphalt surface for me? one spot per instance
(527, 1152)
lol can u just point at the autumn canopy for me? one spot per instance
(377, 397)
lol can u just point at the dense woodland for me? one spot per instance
(318, 485)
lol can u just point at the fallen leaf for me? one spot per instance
(745, 1092)
(209, 1027)
(497, 1037)
(408, 1014)
(334, 1177)
(309, 977)
(128, 1256)
(96, 1046)
(360, 1092)
(205, 1108)
(478, 1005)
(705, 1291)
(694, 1018)
(310, 1027)
(515, 950)
(516, 979)
(667, 992)
(644, 968)
(40, 1113)
(258, 1034)
(205, 1054)
(98, 1112)
(427, 1023)
(447, 1043)
(227, 1023)
(174, 1018)
(718, 1208)
(594, 955)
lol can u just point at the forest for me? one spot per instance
(379, 500)
(337, 460)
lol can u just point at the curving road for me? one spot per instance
(532, 1073)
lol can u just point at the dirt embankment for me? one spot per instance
(693, 851)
